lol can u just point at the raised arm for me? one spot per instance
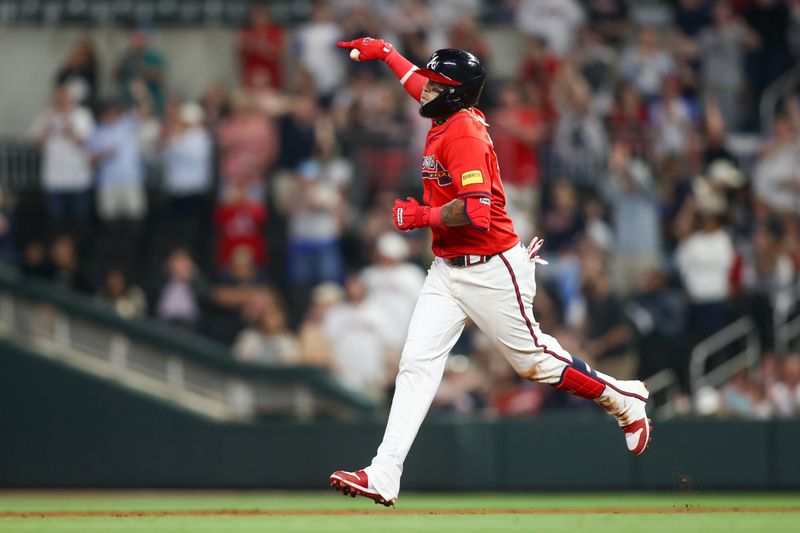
(369, 49)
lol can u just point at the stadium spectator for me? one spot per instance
(65, 269)
(315, 42)
(463, 389)
(248, 145)
(179, 298)
(597, 63)
(216, 105)
(187, 154)
(672, 120)
(581, 141)
(770, 20)
(354, 330)
(466, 35)
(34, 259)
(315, 225)
(239, 222)
(557, 21)
(776, 180)
(314, 346)
(115, 154)
(722, 49)
(647, 63)
(297, 131)
(610, 18)
(539, 69)
(631, 192)
(628, 120)
(261, 46)
(516, 133)
(230, 294)
(267, 339)
(143, 64)
(657, 313)
(607, 332)
(62, 131)
(79, 73)
(121, 198)
(704, 260)
(393, 283)
(126, 299)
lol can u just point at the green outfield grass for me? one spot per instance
(152, 512)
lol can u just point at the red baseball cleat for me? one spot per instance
(638, 435)
(357, 484)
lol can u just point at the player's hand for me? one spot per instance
(408, 214)
(368, 48)
(533, 251)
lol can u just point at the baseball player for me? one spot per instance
(481, 271)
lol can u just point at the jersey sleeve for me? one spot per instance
(405, 72)
(467, 160)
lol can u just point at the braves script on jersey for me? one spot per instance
(460, 162)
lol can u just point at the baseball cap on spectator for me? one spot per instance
(392, 246)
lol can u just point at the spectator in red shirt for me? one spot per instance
(540, 67)
(516, 135)
(261, 46)
(239, 221)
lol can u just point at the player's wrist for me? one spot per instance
(389, 55)
(435, 217)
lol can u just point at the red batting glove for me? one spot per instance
(408, 214)
(369, 48)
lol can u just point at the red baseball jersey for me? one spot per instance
(460, 162)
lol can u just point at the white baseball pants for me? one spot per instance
(498, 297)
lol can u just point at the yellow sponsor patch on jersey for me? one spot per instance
(471, 177)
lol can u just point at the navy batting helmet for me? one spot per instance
(463, 75)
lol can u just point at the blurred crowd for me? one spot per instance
(258, 213)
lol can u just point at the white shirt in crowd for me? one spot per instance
(316, 43)
(776, 180)
(394, 288)
(124, 162)
(358, 346)
(65, 165)
(556, 21)
(704, 261)
(187, 162)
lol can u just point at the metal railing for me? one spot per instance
(786, 319)
(664, 391)
(20, 163)
(155, 361)
(731, 337)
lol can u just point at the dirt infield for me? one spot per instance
(350, 512)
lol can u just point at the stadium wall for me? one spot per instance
(62, 428)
